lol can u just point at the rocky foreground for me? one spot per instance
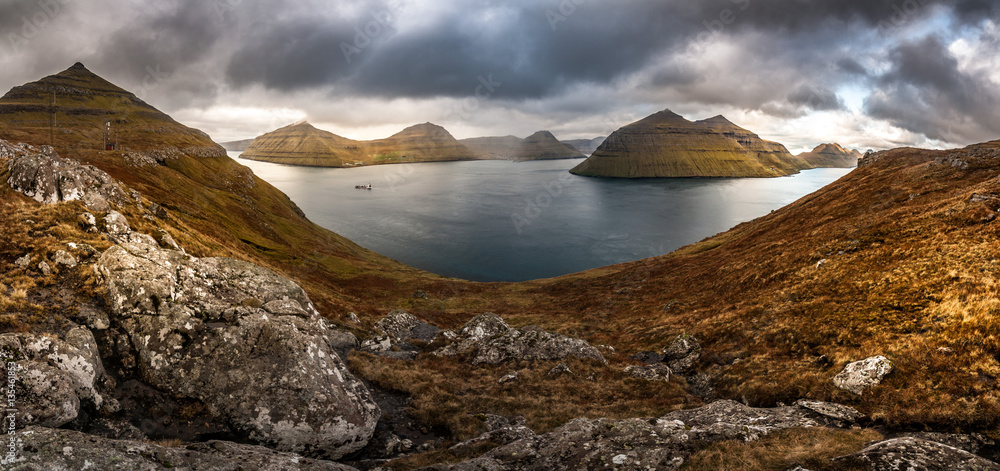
(245, 354)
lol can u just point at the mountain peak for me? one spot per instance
(718, 120)
(666, 115)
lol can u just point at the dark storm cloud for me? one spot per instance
(851, 66)
(926, 92)
(165, 39)
(786, 58)
(535, 47)
(816, 98)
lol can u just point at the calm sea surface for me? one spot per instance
(506, 221)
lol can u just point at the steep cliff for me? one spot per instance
(667, 145)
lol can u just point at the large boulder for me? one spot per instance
(907, 453)
(47, 448)
(858, 376)
(488, 339)
(682, 353)
(242, 339)
(641, 444)
(50, 179)
(52, 378)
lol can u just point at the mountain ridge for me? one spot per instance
(541, 145)
(666, 144)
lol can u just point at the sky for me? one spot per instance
(864, 73)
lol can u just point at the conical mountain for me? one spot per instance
(303, 144)
(541, 145)
(425, 142)
(831, 155)
(667, 145)
(72, 109)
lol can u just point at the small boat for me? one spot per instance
(363, 187)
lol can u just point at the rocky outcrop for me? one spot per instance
(399, 329)
(831, 156)
(53, 378)
(667, 145)
(50, 179)
(488, 339)
(47, 448)
(640, 444)
(649, 372)
(906, 453)
(242, 339)
(682, 353)
(500, 431)
(858, 376)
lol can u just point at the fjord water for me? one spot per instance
(507, 221)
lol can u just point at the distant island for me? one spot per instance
(586, 146)
(236, 146)
(667, 145)
(831, 155)
(541, 145)
(304, 144)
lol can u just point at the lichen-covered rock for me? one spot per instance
(62, 257)
(640, 444)
(659, 372)
(56, 449)
(49, 179)
(907, 453)
(682, 353)
(23, 262)
(509, 377)
(397, 328)
(168, 241)
(501, 431)
(488, 339)
(116, 225)
(858, 376)
(52, 377)
(242, 339)
(839, 412)
(972, 443)
(45, 268)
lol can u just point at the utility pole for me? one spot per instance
(52, 121)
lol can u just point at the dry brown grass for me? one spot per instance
(811, 448)
(449, 393)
